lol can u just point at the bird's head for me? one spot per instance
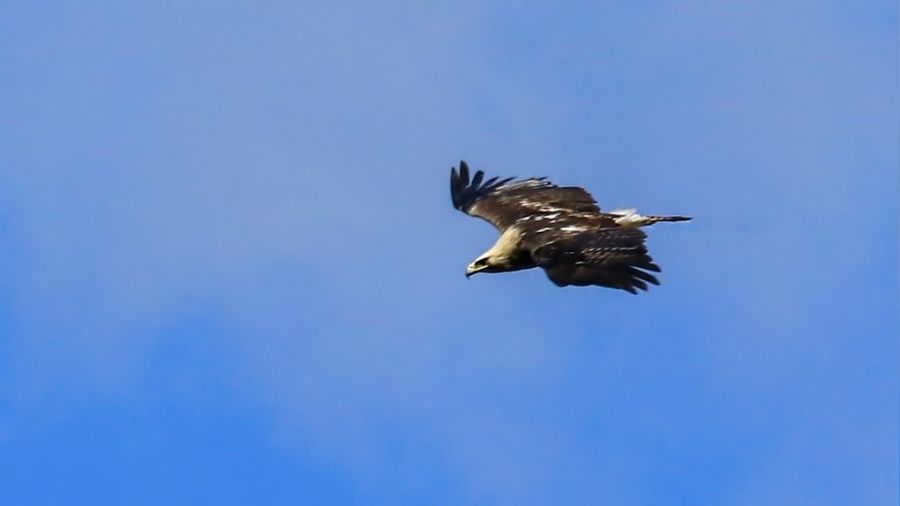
(483, 263)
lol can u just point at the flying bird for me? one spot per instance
(559, 229)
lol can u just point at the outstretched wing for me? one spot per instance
(612, 257)
(503, 202)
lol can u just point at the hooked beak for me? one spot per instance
(470, 270)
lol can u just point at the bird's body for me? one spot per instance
(560, 229)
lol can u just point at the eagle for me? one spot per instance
(560, 229)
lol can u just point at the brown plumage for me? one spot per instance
(560, 229)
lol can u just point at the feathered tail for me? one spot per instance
(631, 218)
(656, 219)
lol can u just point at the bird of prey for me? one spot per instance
(559, 229)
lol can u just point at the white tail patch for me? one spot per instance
(630, 218)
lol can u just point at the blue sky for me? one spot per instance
(231, 273)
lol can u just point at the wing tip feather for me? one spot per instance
(465, 191)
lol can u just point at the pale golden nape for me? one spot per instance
(501, 257)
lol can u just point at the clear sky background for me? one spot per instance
(231, 273)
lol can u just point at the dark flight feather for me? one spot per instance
(503, 202)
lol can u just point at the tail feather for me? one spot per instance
(657, 219)
(631, 218)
